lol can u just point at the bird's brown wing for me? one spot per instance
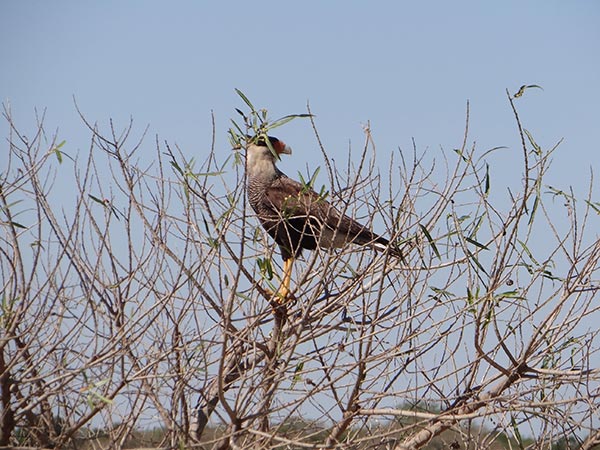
(301, 218)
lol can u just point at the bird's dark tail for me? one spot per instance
(382, 244)
(364, 236)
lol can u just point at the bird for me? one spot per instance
(293, 214)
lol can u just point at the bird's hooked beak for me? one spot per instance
(282, 148)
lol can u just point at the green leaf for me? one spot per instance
(58, 153)
(323, 193)
(430, 240)
(245, 99)
(206, 227)
(237, 159)
(297, 373)
(176, 167)
(235, 139)
(537, 149)
(237, 127)
(475, 260)
(309, 185)
(313, 178)
(523, 88)
(511, 294)
(471, 301)
(302, 180)
(550, 275)
(106, 204)
(271, 149)
(442, 292)
(265, 267)
(475, 243)
(286, 119)
(536, 202)
(207, 174)
(10, 205)
(487, 179)
(97, 200)
(526, 250)
(595, 206)
(241, 113)
(93, 395)
(476, 225)
(461, 154)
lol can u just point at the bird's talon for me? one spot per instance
(283, 299)
(279, 309)
(279, 300)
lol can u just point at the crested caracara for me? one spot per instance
(293, 214)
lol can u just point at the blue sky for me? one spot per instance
(407, 67)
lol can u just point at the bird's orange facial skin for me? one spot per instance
(279, 147)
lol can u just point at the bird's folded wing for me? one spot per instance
(293, 200)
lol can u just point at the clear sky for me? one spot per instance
(407, 67)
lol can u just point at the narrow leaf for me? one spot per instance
(58, 153)
(207, 174)
(297, 373)
(286, 119)
(550, 275)
(461, 154)
(537, 149)
(523, 88)
(430, 240)
(176, 167)
(475, 243)
(442, 292)
(97, 200)
(528, 252)
(536, 202)
(512, 294)
(241, 94)
(595, 206)
(206, 227)
(516, 432)
(237, 127)
(475, 261)
(302, 180)
(313, 178)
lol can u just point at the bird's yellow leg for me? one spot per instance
(283, 293)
